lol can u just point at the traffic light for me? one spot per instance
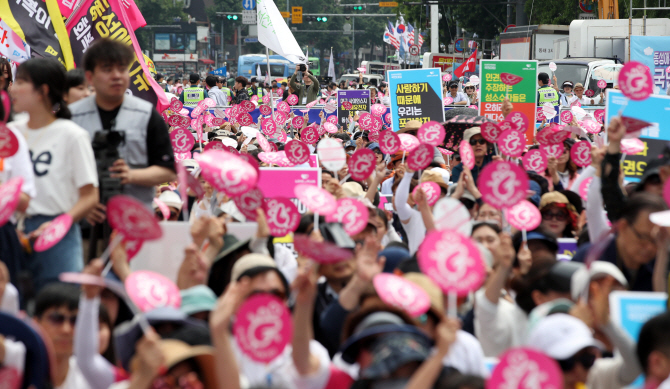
(358, 8)
(231, 17)
(322, 19)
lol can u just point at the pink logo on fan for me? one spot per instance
(263, 327)
(329, 127)
(452, 261)
(297, 152)
(431, 133)
(298, 122)
(599, 114)
(269, 126)
(133, 246)
(182, 140)
(389, 142)
(490, 131)
(432, 191)
(254, 98)
(321, 252)
(420, 157)
(149, 290)
(178, 157)
(525, 368)
(346, 105)
(602, 84)
(249, 202)
(10, 194)
(581, 153)
(590, 126)
(535, 160)
(553, 150)
(283, 106)
(265, 145)
(282, 216)
(54, 233)
(247, 105)
(245, 119)
(309, 135)
(510, 79)
(332, 119)
(502, 184)
(365, 121)
(399, 292)
(178, 121)
(375, 125)
(524, 216)
(408, 142)
(506, 125)
(467, 154)
(318, 200)
(584, 188)
(281, 118)
(519, 120)
(446, 77)
(631, 146)
(447, 100)
(566, 117)
(176, 105)
(378, 110)
(362, 164)
(387, 118)
(265, 110)
(132, 218)
(266, 99)
(352, 213)
(589, 93)
(292, 100)
(635, 81)
(511, 142)
(539, 115)
(373, 136)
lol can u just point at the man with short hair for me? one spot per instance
(545, 93)
(308, 92)
(274, 84)
(214, 92)
(56, 308)
(253, 89)
(194, 94)
(240, 91)
(221, 83)
(146, 156)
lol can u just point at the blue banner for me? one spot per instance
(653, 51)
(653, 110)
(416, 94)
(222, 71)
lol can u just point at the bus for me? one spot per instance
(246, 64)
(314, 65)
(278, 68)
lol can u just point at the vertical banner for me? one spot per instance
(359, 99)
(653, 51)
(653, 110)
(38, 23)
(522, 95)
(416, 94)
(97, 19)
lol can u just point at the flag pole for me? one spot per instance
(272, 95)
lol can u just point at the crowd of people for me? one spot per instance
(345, 333)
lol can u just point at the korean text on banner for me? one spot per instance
(38, 23)
(281, 182)
(97, 19)
(653, 110)
(359, 99)
(653, 51)
(416, 94)
(522, 95)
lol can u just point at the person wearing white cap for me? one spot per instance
(173, 202)
(570, 342)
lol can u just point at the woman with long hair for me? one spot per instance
(562, 169)
(66, 179)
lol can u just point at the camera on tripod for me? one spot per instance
(106, 150)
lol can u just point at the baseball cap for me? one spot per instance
(561, 336)
(598, 269)
(171, 199)
(196, 299)
(252, 264)
(470, 132)
(567, 83)
(549, 240)
(391, 352)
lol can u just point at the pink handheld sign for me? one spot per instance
(447, 100)
(389, 142)
(521, 368)
(373, 136)
(432, 191)
(245, 119)
(490, 131)
(321, 252)
(298, 122)
(467, 154)
(265, 110)
(352, 213)
(176, 105)
(263, 327)
(635, 81)
(581, 153)
(451, 214)
(503, 184)
(452, 260)
(283, 106)
(511, 142)
(362, 164)
(149, 290)
(268, 126)
(590, 126)
(254, 98)
(54, 233)
(589, 93)
(599, 114)
(281, 118)
(309, 135)
(420, 157)
(318, 200)
(182, 140)
(519, 120)
(282, 216)
(431, 133)
(535, 160)
(292, 100)
(399, 292)
(10, 194)
(249, 202)
(602, 84)
(408, 142)
(631, 146)
(265, 145)
(247, 106)
(297, 152)
(553, 150)
(378, 110)
(566, 117)
(539, 115)
(330, 127)
(524, 216)
(132, 218)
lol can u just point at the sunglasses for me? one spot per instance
(477, 142)
(58, 319)
(453, 87)
(159, 215)
(586, 359)
(560, 216)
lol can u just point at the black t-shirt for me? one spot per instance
(159, 146)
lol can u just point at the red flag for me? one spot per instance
(467, 66)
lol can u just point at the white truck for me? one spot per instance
(606, 38)
(530, 42)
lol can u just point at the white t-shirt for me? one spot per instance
(460, 96)
(19, 165)
(466, 355)
(415, 231)
(498, 326)
(63, 162)
(75, 379)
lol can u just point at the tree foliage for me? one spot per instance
(157, 12)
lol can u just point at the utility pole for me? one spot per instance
(239, 42)
(434, 28)
(353, 45)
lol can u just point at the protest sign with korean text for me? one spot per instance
(416, 94)
(359, 99)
